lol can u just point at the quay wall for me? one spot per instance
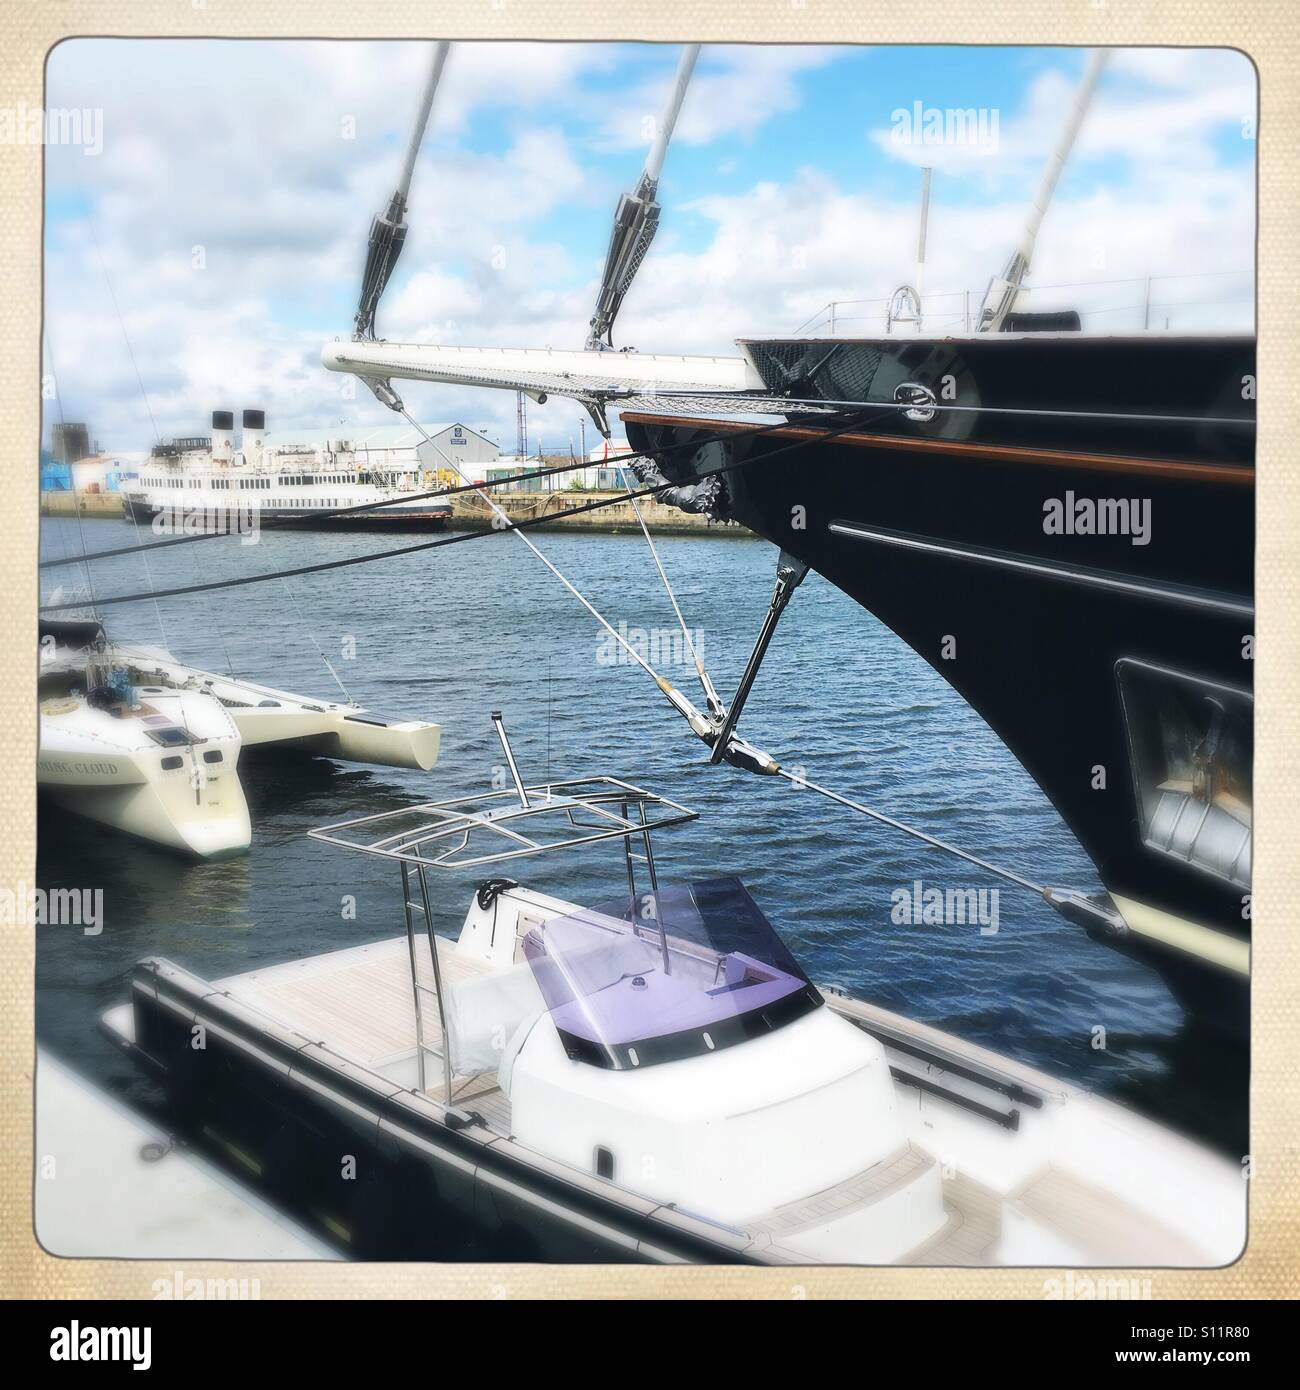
(68, 503)
(470, 512)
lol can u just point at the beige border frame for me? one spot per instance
(1267, 30)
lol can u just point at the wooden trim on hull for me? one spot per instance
(1241, 476)
(1070, 574)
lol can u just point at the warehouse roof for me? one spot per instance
(369, 436)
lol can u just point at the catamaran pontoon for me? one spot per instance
(653, 1078)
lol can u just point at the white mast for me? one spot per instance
(636, 218)
(1000, 298)
(440, 51)
(920, 247)
(388, 230)
(905, 304)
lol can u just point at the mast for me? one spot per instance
(521, 426)
(905, 304)
(388, 230)
(1003, 290)
(636, 218)
(920, 244)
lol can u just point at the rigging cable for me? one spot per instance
(710, 694)
(59, 540)
(157, 439)
(72, 477)
(504, 517)
(306, 518)
(726, 731)
(148, 574)
(94, 236)
(798, 780)
(239, 581)
(834, 407)
(306, 627)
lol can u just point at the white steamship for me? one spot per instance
(306, 476)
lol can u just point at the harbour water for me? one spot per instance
(451, 634)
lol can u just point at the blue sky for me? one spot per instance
(228, 208)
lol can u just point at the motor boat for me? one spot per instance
(652, 1078)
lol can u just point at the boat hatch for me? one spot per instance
(173, 736)
(1191, 744)
(678, 972)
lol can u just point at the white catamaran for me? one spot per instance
(140, 742)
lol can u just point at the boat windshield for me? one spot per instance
(681, 972)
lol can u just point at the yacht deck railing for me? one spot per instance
(1142, 302)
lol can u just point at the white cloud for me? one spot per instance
(779, 253)
(238, 179)
(733, 91)
(1154, 109)
(241, 150)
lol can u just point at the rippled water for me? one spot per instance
(450, 635)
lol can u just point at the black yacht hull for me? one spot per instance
(963, 535)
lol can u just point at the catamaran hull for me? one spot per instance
(359, 738)
(265, 716)
(165, 796)
(947, 538)
(171, 822)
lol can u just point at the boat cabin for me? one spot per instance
(666, 1041)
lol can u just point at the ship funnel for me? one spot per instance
(254, 435)
(223, 435)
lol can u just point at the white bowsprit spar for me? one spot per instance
(597, 376)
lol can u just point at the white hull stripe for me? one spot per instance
(1070, 574)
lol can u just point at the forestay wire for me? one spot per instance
(703, 727)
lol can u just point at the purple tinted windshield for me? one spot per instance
(693, 968)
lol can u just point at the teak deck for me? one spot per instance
(359, 1001)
